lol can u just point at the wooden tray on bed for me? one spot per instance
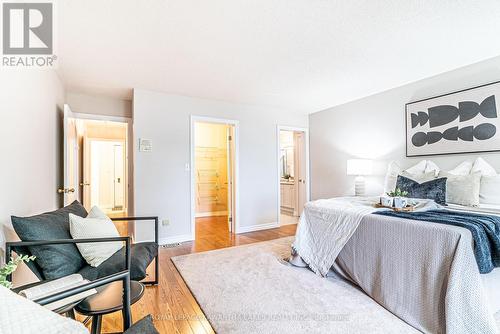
(408, 208)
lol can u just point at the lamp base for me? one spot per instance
(359, 186)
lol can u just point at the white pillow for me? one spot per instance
(431, 167)
(418, 168)
(462, 189)
(96, 225)
(480, 165)
(393, 170)
(463, 169)
(420, 178)
(490, 190)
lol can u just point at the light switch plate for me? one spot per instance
(145, 145)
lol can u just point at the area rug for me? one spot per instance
(250, 289)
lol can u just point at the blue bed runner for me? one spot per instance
(485, 230)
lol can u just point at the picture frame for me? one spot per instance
(460, 122)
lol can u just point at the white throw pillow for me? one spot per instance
(463, 169)
(418, 168)
(393, 170)
(420, 178)
(480, 165)
(96, 225)
(462, 189)
(431, 167)
(490, 190)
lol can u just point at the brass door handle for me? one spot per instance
(82, 184)
(66, 190)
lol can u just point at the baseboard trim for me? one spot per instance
(211, 214)
(174, 239)
(253, 228)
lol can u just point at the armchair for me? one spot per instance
(123, 275)
(42, 235)
(144, 326)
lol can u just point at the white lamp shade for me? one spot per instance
(359, 167)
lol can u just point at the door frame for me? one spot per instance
(129, 151)
(279, 128)
(204, 119)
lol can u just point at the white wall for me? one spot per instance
(374, 128)
(30, 132)
(162, 184)
(99, 105)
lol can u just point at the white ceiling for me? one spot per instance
(305, 55)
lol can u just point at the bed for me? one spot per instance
(426, 274)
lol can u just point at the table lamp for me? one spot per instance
(359, 168)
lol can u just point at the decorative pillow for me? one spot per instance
(431, 167)
(435, 189)
(418, 168)
(480, 165)
(490, 190)
(96, 225)
(462, 189)
(463, 169)
(420, 178)
(393, 170)
(55, 261)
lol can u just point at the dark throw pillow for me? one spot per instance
(54, 260)
(434, 189)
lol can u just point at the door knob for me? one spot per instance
(66, 190)
(84, 184)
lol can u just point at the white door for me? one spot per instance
(70, 155)
(300, 149)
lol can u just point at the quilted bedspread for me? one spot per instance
(426, 274)
(19, 315)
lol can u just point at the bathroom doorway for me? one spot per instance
(213, 177)
(293, 173)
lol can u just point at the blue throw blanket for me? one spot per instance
(485, 231)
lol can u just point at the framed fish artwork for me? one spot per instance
(466, 121)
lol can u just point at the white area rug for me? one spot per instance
(248, 289)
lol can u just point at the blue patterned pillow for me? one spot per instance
(434, 189)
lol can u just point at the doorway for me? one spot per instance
(293, 173)
(213, 177)
(104, 166)
(96, 162)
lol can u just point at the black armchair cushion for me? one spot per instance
(143, 326)
(141, 255)
(52, 261)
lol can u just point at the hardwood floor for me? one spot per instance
(172, 305)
